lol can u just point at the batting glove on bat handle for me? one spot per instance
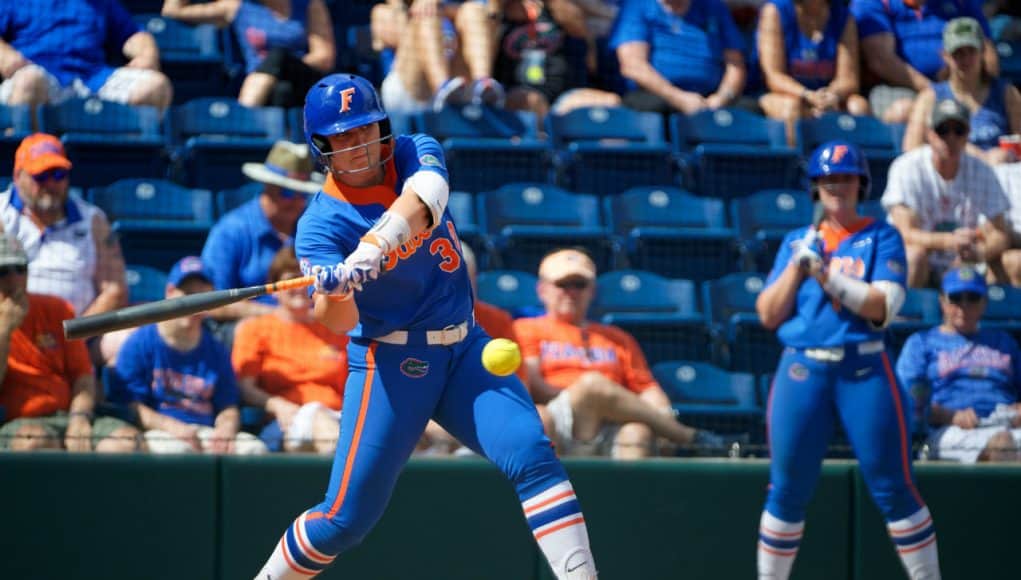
(329, 279)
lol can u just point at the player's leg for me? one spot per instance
(874, 411)
(390, 394)
(799, 427)
(495, 417)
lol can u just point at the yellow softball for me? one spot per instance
(501, 357)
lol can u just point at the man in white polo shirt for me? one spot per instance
(71, 251)
(946, 203)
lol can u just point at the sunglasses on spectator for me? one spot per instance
(15, 269)
(54, 174)
(570, 284)
(948, 128)
(960, 298)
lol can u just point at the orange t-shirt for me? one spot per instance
(566, 352)
(301, 362)
(498, 323)
(41, 364)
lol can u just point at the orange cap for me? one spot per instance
(40, 152)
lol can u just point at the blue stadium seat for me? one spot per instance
(920, 311)
(764, 218)
(214, 137)
(705, 396)
(672, 233)
(158, 221)
(143, 6)
(661, 314)
(462, 209)
(872, 208)
(1003, 310)
(108, 141)
(524, 221)
(879, 141)
(740, 341)
(487, 147)
(15, 125)
(1010, 61)
(607, 150)
(145, 283)
(731, 153)
(228, 199)
(513, 291)
(190, 55)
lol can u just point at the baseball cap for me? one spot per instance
(564, 264)
(11, 252)
(961, 32)
(187, 267)
(949, 110)
(964, 279)
(40, 152)
(287, 165)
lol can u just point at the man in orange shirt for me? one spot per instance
(593, 388)
(48, 389)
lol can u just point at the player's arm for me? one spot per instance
(775, 303)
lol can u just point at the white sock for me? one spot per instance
(559, 528)
(778, 545)
(287, 564)
(915, 540)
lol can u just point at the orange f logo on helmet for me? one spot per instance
(345, 99)
(838, 153)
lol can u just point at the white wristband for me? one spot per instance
(389, 232)
(847, 290)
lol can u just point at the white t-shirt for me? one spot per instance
(1010, 179)
(971, 198)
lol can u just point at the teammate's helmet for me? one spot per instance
(339, 103)
(840, 158)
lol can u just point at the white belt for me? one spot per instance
(836, 353)
(452, 334)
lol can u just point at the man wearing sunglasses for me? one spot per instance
(947, 204)
(594, 390)
(71, 250)
(966, 380)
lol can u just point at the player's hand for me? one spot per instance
(362, 265)
(78, 437)
(807, 254)
(328, 279)
(965, 418)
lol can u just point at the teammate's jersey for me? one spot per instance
(428, 285)
(873, 251)
(977, 371)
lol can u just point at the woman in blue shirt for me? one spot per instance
(808, 51)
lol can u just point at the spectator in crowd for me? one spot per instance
(946, 203)
(287, 45)
(47, 386)
(591, 383)
(966, 379)
(994, 103)
(442, 52)
(808, 51)
(292, 367)
(71, 250)
(900, 44)
(532, 60)
(679, 55)
(48, 54)
(242, 244)
(178, 379)
(1008, 269)
(1004, 19)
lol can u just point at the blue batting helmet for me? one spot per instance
(840, 158)
(339, 103)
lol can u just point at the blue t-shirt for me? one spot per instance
(874, 252)
(918, 31)
(68, 38)
(424, 284)
(240, 248)
(687, 50)
(192, 386)
(990, 120)
(978, 371)
(259, 30)
(811, 63)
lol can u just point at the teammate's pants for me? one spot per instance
(807, 397)
(391, 393)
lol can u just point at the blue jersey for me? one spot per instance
(423, 285)
(977, 371)
(812, 63)
(872, 251)
(192, 386)
(259, 30)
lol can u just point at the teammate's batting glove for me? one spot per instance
(363, 264)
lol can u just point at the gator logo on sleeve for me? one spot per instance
(414, 368)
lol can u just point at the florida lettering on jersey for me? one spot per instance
(871, 251)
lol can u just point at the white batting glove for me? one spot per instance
(329, 279)
(807, 254)
(364, 264)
